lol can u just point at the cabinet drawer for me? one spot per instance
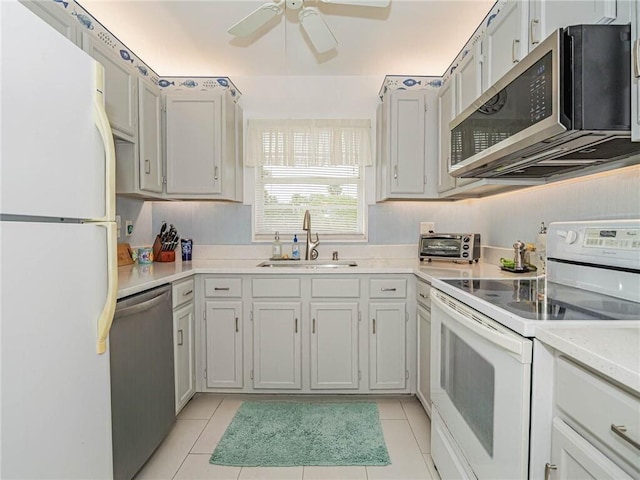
(589, 403)
(182, 292)
(387, 288)
(422, 293)
(222, 287)
(275, 287)
(335, 287)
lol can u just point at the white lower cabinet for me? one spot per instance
(387, 346)
(184, 341)
(276, 345)
(305, 333)
(423, 313)
(574, 458)
(334, 345)
(223, 325)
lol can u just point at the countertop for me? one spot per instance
(611, 348)
(136, 278)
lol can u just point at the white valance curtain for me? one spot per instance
(321, 142)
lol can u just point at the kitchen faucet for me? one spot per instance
(311, 245)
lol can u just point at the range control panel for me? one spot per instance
(618, 238)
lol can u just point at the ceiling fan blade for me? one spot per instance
(256, 19)
(316, 29)
(360, 3)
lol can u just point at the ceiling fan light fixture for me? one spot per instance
(317, 30)
(256, 19)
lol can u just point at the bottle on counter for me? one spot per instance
(276, 247)
(295, 248)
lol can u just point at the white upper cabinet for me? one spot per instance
(468, 76)
(121, 89)
(446, 113)
(401, 140)
(545, 16)
(57, 17)
(201, 146)
(503, 45)
(150, 120)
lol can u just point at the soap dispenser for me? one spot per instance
(295, 248)
(276, 247)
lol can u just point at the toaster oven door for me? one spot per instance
(445, 246)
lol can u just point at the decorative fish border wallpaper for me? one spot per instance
(403, 82)
(94, 28)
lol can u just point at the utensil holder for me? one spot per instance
(160, 255)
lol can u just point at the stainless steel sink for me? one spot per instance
(308, 263)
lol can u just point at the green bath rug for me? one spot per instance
(285, 434)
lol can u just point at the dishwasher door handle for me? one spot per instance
(140, 307)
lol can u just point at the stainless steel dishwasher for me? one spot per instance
(142, 378)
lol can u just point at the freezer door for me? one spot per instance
(53, 154)
(56, 410)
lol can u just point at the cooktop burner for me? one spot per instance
(528, 299)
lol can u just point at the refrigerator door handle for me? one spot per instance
(102, 123)
(108, 310)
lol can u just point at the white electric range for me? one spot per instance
(482, 349)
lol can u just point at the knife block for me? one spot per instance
(160, 255)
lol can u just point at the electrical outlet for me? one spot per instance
(128, 228)
(426, 227)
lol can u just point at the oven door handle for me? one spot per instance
(482, 325)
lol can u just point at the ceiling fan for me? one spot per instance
(310, 20)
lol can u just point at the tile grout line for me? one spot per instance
(416, 439)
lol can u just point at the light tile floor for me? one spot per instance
(185, 453)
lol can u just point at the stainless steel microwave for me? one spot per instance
(565, 106)
(449, 246)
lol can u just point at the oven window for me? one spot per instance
(469, 381)
(441, 247)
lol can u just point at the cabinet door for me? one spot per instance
(276, 345)
(150, 120)
(194, 144)
(546, 16)
(224, 344)
(184, 354)
(57, 17)
(574, 458)
(502, 43)
(468, 78)
(446, 113)
(387, 346)
(334, 345)
(424, 358)
(382, 158)
(120, 89)
(407, 137)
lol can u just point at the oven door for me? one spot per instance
(480, 385)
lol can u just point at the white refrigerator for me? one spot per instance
(58, 274)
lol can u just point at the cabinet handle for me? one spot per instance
(395, 172)
(387, 289)
(547, 470)
(296, 326)
(237, 325)
(224, 289)
(422, 295)
(621, 431)
(532, 35)
(514, 55)
(187, 293)
(313, 327)
(215, 173)
(147, 166)
(374, 326)
(637, 58)
(181, 340)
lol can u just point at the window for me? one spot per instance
(315, 165)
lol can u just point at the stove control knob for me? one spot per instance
(571, 237)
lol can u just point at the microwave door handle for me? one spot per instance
(461, 316)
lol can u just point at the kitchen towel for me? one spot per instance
(283, 434)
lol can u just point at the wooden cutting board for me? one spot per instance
(125, 254)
